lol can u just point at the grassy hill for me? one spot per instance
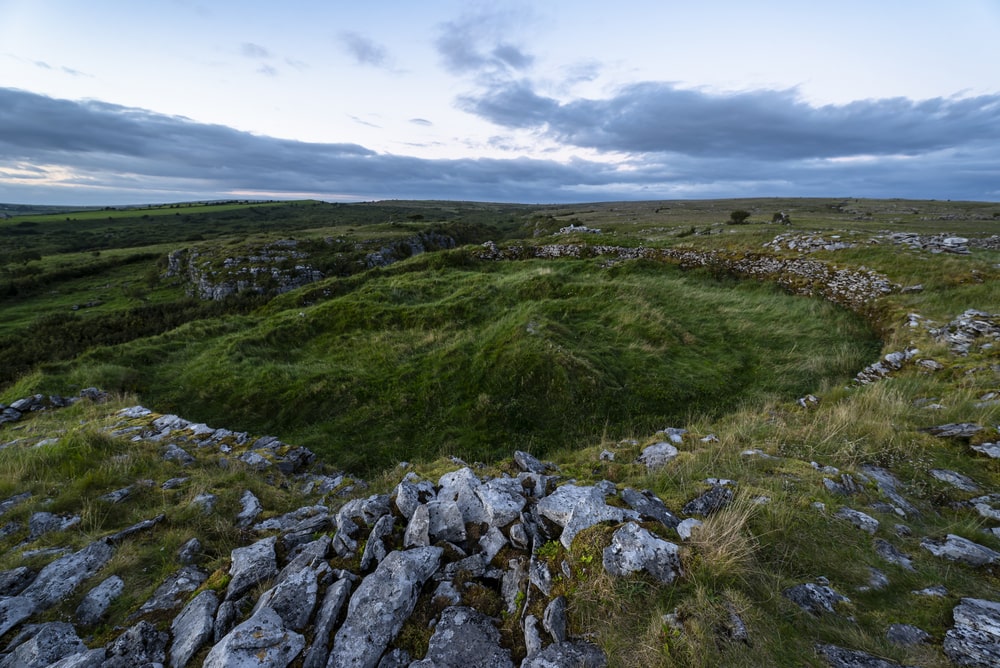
(394, 354)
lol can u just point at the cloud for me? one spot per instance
(476, 44)
(61, 151)
(421, 121)
(771, 124)
(251, 50)
(364, 50)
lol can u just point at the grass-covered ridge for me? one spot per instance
(474, 359)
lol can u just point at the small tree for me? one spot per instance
(738, 217)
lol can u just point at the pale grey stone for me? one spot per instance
(963, 430)
(193, 628)
(859, 519)
(289, 521)
(532, 638)
(294, 598)
(42, 523)
(685, 528)
(502, 500)
(906, 635)
(975, 638)
(528, 462)
(329, 610)
(838, 657)
(205, 502)
(460, 487)
(175, 453)
(51, 642)
(956, 548)
(139, 645)
(375, 547)
(554, 620)
(634, 549)
(658, 455)
(251, 565)
(491, 543)
(146, 525)
(888, 485)
(13, 611)
(540, 575)
(93, 658)
(649, 506)
(888, 552)
(380, 605)
(97, 601)
(14, 581)
(465, 637)
(60, 578)
(814, 598)
(189, 552)
(250, 509)
(445, 521)
(578, 654)
(514, 583)
(964, 483)
(172, 592)
(261, 641)
(418, 529)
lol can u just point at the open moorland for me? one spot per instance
(756, 432)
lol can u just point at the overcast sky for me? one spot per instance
(119, 101)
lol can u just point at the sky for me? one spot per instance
(111, 102)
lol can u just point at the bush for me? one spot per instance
(739, 217)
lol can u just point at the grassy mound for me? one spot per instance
(446, 357)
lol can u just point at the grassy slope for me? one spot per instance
(745, 556)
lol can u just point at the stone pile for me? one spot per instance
(971, 328)
(936, 243)
(808, 243)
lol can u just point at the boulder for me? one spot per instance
(13, 611)
(888, 551)
(375, 547)
(954, 479)
(250, 510)
(956, 548)
(975, 638)
(14, 581)
(42, 523)
(649, 506)
(554, 620)
(905, 635)
(465, 637)
(51, 642)
(60, 578)
(251, 565)
(634, 549)
(528, 462)
(140, 645)
(460, 487)
(380, 605)
(97, 601)
(261, 641)
(329, 610)
(174, 590)
(193, 627)
(502, 500)
(658, 455)
(294, 598)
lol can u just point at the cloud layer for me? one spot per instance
(675, 143)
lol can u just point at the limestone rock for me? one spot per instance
(14, 581)
(174, 589)
(838, 657)
(561, 655)
(380, 605)
(658, 455)
(710, 502)
(13, 611)
(954, 479)
(250, 510)
(858, 519)
(906, 635)
(888, 551)
(329, 610)
(649, 506)
(294, 598)
(42, 523)
(375, 547)
(460, 487)
(93, 658)
(634, 549)
(63, 576)
(260, 641)
(956, 548)
(140, 645)
(51, 642)
(528, 462)
(189, 552)
(98, 600)
(251, 565)
(814, 598)
(554, 620)
(465, 637)
(502, 500)
(963, 430)
(192, 628)
(975, 638)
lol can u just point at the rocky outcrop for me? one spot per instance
(975, 638)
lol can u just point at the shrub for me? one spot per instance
(739, 217)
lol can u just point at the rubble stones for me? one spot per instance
(465, 637)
